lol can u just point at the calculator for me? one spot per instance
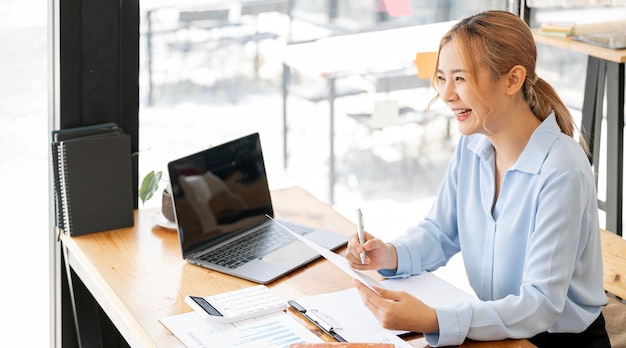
(237, 305)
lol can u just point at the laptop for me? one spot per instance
(222, 202)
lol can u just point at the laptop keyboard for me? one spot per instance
(252, 246)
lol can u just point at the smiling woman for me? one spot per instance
(518, 191)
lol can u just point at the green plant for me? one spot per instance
(149, 185)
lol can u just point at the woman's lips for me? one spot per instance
(462, 114)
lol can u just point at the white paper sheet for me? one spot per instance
(355, 323)
(277, 330)
(336, 260)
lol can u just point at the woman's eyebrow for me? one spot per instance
(454, 71)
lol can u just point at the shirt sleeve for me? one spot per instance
(437, 233)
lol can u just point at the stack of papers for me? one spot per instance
(351, 320)
(558, 28)
(565, 29)
(342, 312)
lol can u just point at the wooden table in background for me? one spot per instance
(137, 275)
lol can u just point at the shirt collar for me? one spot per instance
(534, 153)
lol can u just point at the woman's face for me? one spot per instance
(471, 112)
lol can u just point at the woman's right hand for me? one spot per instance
(378, 255)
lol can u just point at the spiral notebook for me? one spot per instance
(92, 180)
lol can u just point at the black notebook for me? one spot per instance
(66, 134)
(93, 180)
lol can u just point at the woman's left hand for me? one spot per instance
(398, 310)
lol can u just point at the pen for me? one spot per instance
(359, 231)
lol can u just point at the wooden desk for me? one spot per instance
(604, 65)
(137, 275)
(354, 54)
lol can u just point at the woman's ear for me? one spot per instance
(516, 77)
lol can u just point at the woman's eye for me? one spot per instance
(459, 78)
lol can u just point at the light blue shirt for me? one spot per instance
(535, 261)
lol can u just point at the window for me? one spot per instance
(200, 86)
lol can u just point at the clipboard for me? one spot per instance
(317, 320)
(343, 316)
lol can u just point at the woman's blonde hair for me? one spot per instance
(498, 41)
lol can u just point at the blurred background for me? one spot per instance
(203, 83)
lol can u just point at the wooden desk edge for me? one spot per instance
(132, 331)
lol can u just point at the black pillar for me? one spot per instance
(98, 82)
(99, 66)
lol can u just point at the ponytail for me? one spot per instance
(543, 99)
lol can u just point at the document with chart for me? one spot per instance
(277, 330)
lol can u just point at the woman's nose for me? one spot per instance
(447, 91)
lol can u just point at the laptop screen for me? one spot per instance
(219, 192)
